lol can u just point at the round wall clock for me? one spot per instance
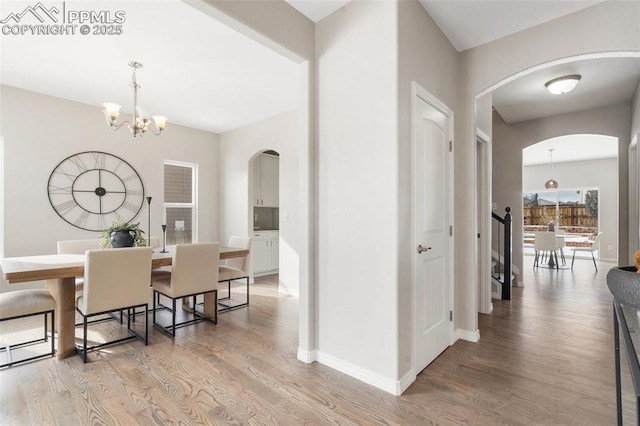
(91, 190)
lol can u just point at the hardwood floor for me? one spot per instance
(545, 357)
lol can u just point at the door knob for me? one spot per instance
(422, 249)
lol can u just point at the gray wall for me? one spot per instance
(419, 41)
(509, 140)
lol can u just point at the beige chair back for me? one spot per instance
(545, 241)
(195, 268)
(115, 278)
(242, 263)
(78, 246)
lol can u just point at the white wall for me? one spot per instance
(510, 140)
(425, 56)
(357, 211)
(40, 131)
(605, 27)
(237, 149)
(582, 174)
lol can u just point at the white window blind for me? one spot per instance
(180, 202)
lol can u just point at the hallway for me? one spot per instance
(545, 357)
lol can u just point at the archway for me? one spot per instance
(483, 101)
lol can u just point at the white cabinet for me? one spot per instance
(265, 252)
(266, 178)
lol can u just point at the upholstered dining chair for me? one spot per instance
(114, 279)
(545, 243)
(194, 272)
(593, 248)
(19, 304)
(235, 269)
(78, 247)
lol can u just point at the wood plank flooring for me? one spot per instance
(544, 357)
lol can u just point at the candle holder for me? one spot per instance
(164, 239)
(149, 222)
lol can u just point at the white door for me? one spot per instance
(269, 175)
(432, 208)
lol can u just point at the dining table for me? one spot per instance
(59, 272)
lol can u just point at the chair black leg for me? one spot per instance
(46, 339)
(84, 341)
(173, 320)
(154, 307)
(594, 261)
(573, 259)
(53, 330)
(247, 291)
(146, 324)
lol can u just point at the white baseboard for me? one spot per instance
(288, 291)
(394, 387)
(470, 336)
(405, 382)
(307, 356)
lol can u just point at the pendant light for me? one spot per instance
(551, 183)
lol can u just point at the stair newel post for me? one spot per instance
(506, 288)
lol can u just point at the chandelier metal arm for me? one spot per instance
(140, 122)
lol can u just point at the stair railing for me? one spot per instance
(502, 229)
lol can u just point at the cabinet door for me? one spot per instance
(274, 254)
(257, 196)
(270, 178)
(260, 255)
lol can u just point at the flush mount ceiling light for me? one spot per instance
(139, 124)
(562, 85)
(551, 183)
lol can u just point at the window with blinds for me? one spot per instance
(179, 202)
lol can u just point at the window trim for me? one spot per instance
(194, 194)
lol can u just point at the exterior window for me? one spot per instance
(180, 194)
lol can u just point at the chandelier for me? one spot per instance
(139, 125)
(551, 183)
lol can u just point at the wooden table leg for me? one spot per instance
(209, 306)
(63, 291)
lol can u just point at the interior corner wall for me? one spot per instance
(428, 58)
(604, 27)
(580, 174)
(277, 25)
(635, 111)
(510, 140)
(634, 188)
(237, 148)
(357, 204)
(39, 131)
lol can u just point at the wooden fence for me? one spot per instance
(570, 215)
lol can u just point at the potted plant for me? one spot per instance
(123, 234)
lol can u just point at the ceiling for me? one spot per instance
(604, 82)
(470, 23)
(571, 148)
(197, 71)
(316, 10)
(204, 75)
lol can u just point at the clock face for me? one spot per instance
(91, 190)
